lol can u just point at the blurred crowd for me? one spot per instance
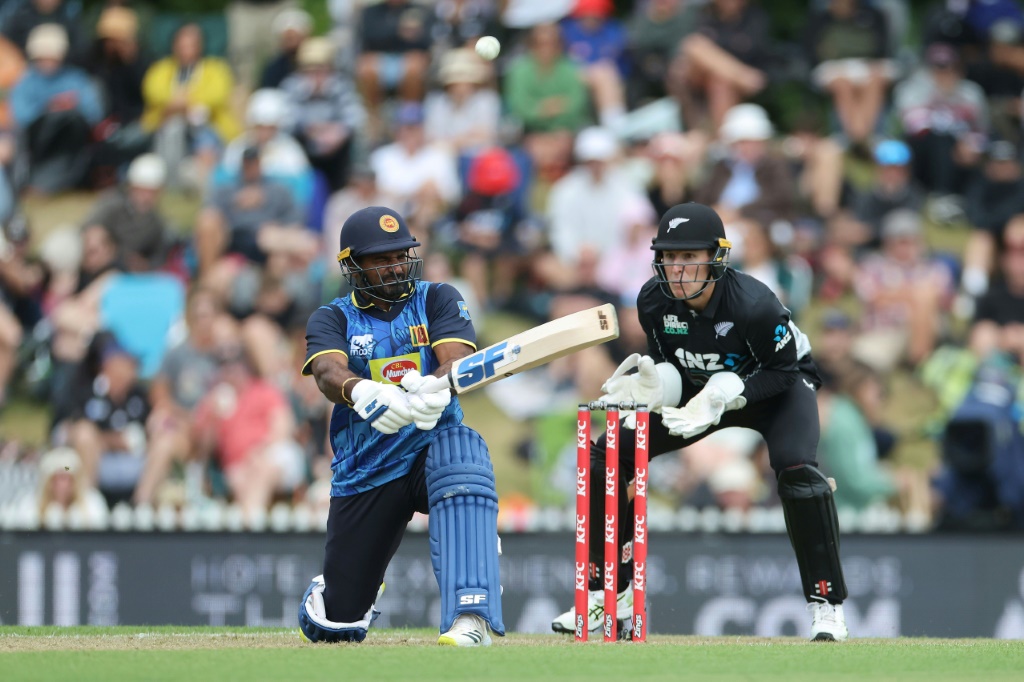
(847, 146)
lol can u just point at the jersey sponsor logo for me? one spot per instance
(782, 337)
(361, 345)
(388, 223)
(391, 370)
(704, 362)
(674, 326)
(733, 360)
(722, 328)
(464, 311)
(418, 335)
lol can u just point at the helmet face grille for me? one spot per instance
(716, 270)
(383, 281)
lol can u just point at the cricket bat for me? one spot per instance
(529, 349)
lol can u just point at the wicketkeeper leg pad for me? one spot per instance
(813, 526)
(464, 527)
(313, 622)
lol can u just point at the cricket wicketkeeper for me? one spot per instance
(722, 351)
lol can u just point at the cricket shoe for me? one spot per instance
(566, 623)
(829, 624)
(467, 630)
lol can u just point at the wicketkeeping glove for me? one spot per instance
(654, 385)
(384, 406)
(426, 408)
(704, 410)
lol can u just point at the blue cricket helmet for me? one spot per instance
(374, 230)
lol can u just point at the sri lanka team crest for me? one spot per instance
(388, 223)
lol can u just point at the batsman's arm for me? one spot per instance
(333, 377)
(448, 354)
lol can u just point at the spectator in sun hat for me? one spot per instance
(327, 114)
(269, 117)
(132, 216)
(33, 13)
(752, 179)
(291, 27)
(63, 494)
(54, 107)
(464, 116)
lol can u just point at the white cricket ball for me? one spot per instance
(488, 47)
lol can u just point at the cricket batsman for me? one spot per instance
(722, 351)
(397, 449)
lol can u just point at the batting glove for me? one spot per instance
(654, 385)
(721, 394)
(384, 406)
(427, 407)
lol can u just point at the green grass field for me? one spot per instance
(251, 654)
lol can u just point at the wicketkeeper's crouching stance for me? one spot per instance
(722, 345)
(399, 449)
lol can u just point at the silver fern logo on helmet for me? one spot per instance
(722, 328)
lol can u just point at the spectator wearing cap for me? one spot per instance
(249, 24)
(64, 496)
(892, 187)
(415, 174)
(328, 113)
(395, 55)
(106, 426)
(653, 36)
(999, 315)
(847, 44)
(994, 196)
(131, 214)
(120, 63)
(291, 27)
(492, 231)
(751, 180)
(585, 212)
(54, 107)
(945, 119)
(725, 58)
(188, 105)
(268, 119)
(249, 221)
(33, 13)
(905, 295)
(546, 92)
(464, 116)
(596, 41)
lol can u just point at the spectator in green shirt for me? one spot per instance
(546, 92)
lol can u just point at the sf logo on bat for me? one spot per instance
(484, 364)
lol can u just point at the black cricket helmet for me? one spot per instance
(374, 230)
(691, 227)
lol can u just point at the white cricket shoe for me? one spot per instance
(467, 630)
(595, 621)
(829, 624)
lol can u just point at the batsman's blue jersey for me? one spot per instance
(383, 346)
